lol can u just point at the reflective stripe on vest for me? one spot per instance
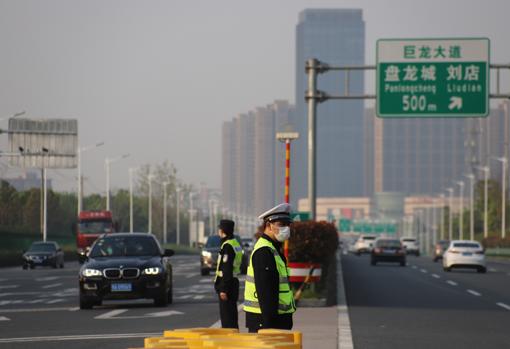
(285, 296)
(237, 259)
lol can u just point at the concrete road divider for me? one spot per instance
(223, 338)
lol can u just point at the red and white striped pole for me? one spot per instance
(287, 137)
(287, 170)
(287, 190)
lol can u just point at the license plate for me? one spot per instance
(467, 254)
(389, 251)
(122, 288)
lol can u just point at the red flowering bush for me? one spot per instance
(312, 242)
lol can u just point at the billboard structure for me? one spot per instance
(45, 143)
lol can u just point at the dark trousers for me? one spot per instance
(228, 308)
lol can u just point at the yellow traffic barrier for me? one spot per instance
(222, 338)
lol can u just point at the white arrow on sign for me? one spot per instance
(112, 315)
(455, 102)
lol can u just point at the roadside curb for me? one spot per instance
(344, 333)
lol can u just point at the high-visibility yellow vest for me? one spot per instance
(237, 260)
(285, 296)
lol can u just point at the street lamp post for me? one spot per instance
(80, 182)
(150, 178)
(165, 184)
(131, 170)
(504, 162)
(461, 207)
(191, 213)
(450, 214)
(441, 196)
(178, 218)
(471, 178)
(108, 162)
(485, 170)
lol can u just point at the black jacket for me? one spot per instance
(267, 282)
(226, 260)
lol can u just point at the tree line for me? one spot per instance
(20, 211)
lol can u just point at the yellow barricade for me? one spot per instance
(223, 338)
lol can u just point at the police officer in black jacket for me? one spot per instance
(226, 283)
(269, 301)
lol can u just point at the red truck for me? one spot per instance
(91, 224)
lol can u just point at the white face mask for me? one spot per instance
(283, 234)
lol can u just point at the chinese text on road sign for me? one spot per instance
(433, 78)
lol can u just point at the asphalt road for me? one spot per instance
(39, 308)
(422, 306)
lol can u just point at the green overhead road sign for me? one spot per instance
(371, 227)
(300, 216)
(422, 78)
(345, 225)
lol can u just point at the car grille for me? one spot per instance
(112, 273)
(116, 273)
(130, 273)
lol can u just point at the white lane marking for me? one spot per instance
(423, 270)
(474, 293)
(78, 337)
(52, 285)
(414, 267)
(453, 283)
(8, 287)
(209, 281)
(199, 297)
(34, 310)
(436, 276)
(4, 318)
(36, 301)
(344, 325)
(191, 275)
(503, 305)
(493, 270)
(184, 297)
(48, 278)
(74, 309)
(55, 301)
(111, 314)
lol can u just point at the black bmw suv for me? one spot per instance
(126, 266)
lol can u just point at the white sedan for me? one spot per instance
(464, 254)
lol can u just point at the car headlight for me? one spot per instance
(91, 272)
(207, 254)
(152, 271)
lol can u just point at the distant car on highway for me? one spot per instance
(411, 245)
(388, 250)
(465, 254)
(43, 253)
(210, 251)
(247, 244)
(126, 266)
(439, 249)
(364, 244)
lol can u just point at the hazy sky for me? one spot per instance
(157, 78)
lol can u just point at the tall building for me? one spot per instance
(284, 114)
(336, 37)
(253, 160)
(424, 156)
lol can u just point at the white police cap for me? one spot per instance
(280, 212)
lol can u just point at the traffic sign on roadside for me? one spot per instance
(300, 216)
(422, 78)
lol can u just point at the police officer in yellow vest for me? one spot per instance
(268, 299)
(228, 267)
